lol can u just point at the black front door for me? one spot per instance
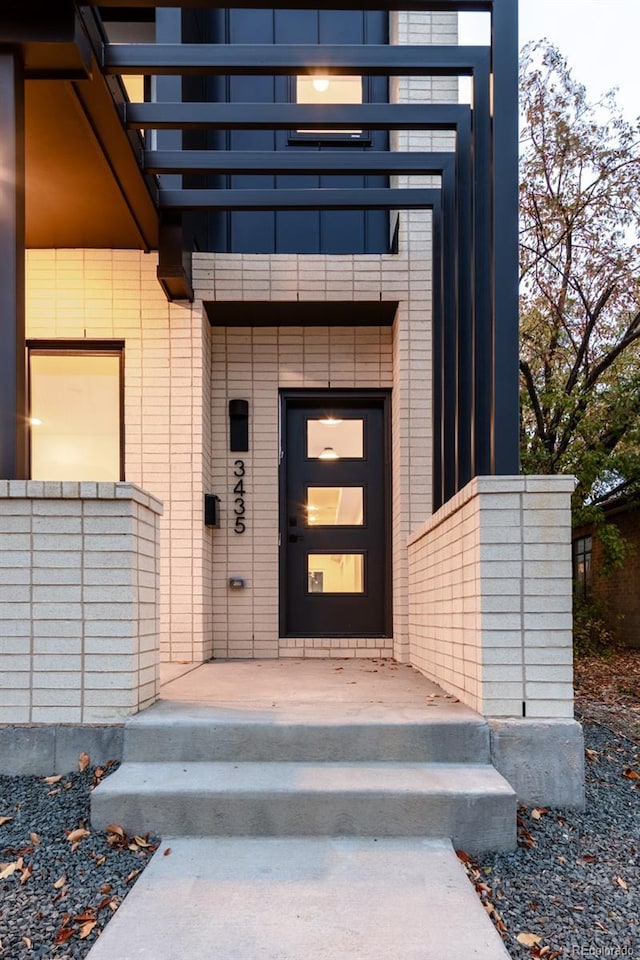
(335, 575)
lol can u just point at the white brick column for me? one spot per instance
(79, 590)
(490, 596)
(490, 621)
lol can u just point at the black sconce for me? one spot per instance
(211, 510)
(238, 426)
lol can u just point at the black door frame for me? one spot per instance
(383, 398)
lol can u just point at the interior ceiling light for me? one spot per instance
(320, 84)
(35, 421)
(329, 454)
(330, 421)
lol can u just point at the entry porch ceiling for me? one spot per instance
(84, 187)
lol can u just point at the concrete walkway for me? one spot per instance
(301, 899)
(303, 891)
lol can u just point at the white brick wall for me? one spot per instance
(79, 584)
(114, 294)
(254, 363)
(174, 424)
(490, 596)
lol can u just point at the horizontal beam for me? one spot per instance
(304, 162)
(293, 116)
(437, 6)
(240, 59)
(311, 199)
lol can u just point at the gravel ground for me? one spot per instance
(572, 889)
(60, 882)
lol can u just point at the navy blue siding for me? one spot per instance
(283, 232)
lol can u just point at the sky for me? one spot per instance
(599, 39)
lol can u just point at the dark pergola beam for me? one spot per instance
(293, 116)
(321, 198)
(155, 59)
(13, 404)
(439, 6)
(298, 162)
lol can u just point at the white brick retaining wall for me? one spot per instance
(79, 633)
(490, 597)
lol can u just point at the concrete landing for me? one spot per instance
(306, 685)
(301, 899)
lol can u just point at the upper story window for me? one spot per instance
(328, 89)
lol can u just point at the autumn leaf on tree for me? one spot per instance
(579, 290)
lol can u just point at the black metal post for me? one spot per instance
(505, 445)
(13, 406)
(482, 393)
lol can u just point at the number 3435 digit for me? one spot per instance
(239, 509)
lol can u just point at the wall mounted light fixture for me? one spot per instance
(238, 426)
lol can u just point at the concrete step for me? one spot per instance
(301, 899)
(172, 731)
(471, 804)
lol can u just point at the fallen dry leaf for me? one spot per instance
(85, 916)
(464, 857)
(60, 882)
(591, 754)
(167, 852)
(115, 828)
(528, 939)
(26, 873)
(64, 933)
(4, 820)
(129, 877)
(86, 929)
(630, 774)
(106, 888)
(539, 812)
(621, 883)
(100, 860)
(83, 761)
(52, 780)
(35, 839)
(27, 942)
(78, 834)
(8, 869)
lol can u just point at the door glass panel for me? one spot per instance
(75, 416)
(331, 439)
(335, 573)
(334, 506)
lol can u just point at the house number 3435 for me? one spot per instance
(239, 471)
